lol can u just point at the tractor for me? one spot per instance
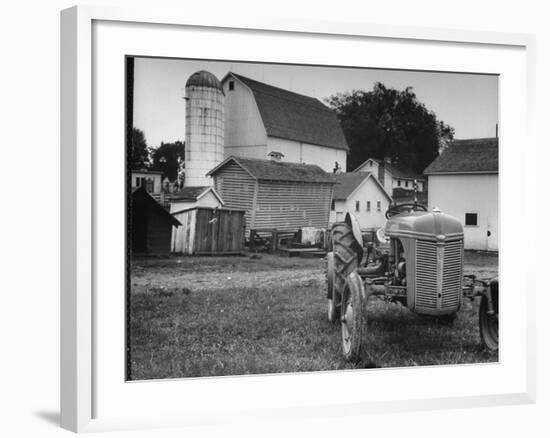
(416, 260)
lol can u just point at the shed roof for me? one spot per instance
(478, 155)
(347, 183)
(140, 195)
(278, 170)
(293, 116)
(192, 194)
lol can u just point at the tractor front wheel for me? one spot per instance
(333, 305)
(488, 324)
(354, 318)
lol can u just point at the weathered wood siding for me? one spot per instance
(183, 237)
(236, 187)
(292, 205)
(207, 230)
(159, 234)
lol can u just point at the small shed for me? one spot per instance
(208, 231)
(150, 224)
(189, 197)
(274, 194)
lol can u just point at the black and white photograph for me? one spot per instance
(287, 218)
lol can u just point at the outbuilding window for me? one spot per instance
(378, 206)
(333, 205)
(406, 183)
(231, 85)
(398, 183)
(357, 206)
(470, 220)
(368, 206)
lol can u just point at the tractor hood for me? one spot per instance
(424, 225)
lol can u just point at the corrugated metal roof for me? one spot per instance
(293, 116)
(189, 193)
(279, 170)
(478, 155)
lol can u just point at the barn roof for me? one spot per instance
(293, 116)
(140, 195)
(278, 170)
(478, 155)
(347, 183)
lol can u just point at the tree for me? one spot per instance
(168, 158)
(139, 155)
(386, 122)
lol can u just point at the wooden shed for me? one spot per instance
(208, 231)
(274, 194)
(150, 224)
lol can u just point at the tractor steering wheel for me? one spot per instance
(401, 208)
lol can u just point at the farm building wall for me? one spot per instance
(469, 193)
(292, 205)
(209, 231)
(299, 152)
(237, 189)
(370, 215)
(245, 134)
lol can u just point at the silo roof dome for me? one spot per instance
(203, 78)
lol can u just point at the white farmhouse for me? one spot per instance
(463, 182)
(150, 180)
(260, 119)
(393, 175)
(363, 195)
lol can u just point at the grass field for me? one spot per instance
(213, 316)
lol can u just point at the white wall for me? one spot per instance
(157, 180)
(460, 194)
(244, 130)
(368, 191)
(298, 152)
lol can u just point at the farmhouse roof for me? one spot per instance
(478, 155)
(192, 194)
(140, 195)
(347, 183)
(278, 170)
(397, 170)
(293, 116)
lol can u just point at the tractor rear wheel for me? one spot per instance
(333, 307)
(488, 324)
(346, 256)
(354, 318)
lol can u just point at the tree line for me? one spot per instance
(168, 158)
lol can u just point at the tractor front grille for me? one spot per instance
(438, 276)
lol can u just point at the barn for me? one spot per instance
(362, 194)
(463, 182)
(261, 118)
(275, 194)
(150, 225)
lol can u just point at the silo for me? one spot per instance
(204, 121)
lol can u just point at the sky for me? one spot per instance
(467, 102)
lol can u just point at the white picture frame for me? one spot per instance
(93, 397)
